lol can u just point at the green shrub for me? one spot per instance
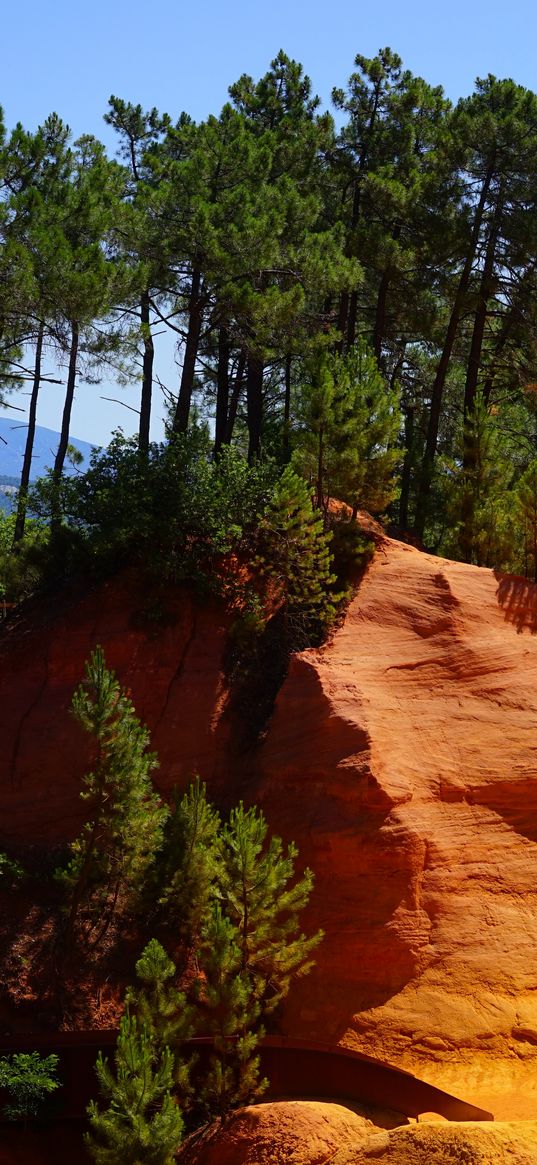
(21, 571)
(28, 1078)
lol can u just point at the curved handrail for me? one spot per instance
(295, 1068)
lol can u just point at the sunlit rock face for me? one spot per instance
(301, 1133)
(401, 757)
(283, 1133)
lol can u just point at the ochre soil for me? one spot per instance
(314, 1133)
(401, 757)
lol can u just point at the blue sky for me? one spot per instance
(66, 57)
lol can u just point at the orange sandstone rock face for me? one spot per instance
(283, 1133)
(167, 651)
(402, 758)
(301, 1133)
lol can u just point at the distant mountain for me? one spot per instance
(13, 433)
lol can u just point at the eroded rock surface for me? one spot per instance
(168, 652)
(404, 754)
(297, 1132)
(314, 1133)
(402, 758)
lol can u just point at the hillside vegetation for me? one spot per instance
(358, 299)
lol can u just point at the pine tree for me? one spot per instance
(88, 280)
(494, 147)
(482, 525)
(295, 553)
(164, 1012)
(231, 1014)
(141, 231)
(263, 899)
(148, 1085)
(350, 423)
(526, 512)
(251, 950)
(192, 863)
(142, 1124)
(111, 858)
(34, 213)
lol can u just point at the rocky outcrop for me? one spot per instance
(307, 1133)
(168, 652)
(296, 1132)
(402, 758)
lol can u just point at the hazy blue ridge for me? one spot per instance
(46, 442)
(13, 433)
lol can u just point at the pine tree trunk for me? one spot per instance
(407, 467)
(485, 291)
(349, 331)
(254, 405)
(68, 405)
(319, 495)
(222, 390)
(379, 328)
(353, 316)
(195, 315)
(235, 396)
(508, 325)
(147, 374)
(352, 313)
(343, 315)
(287, 405)
(437, 393)
(380, 315)
(467, 534)
(28, 449)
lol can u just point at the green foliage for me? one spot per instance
(526, 515)
(142, 1124)
(192, 863)
(172, 507)
(165, 1012)
(113, 855)
(306, 271)
(351, 551)
(295, 558)
(143, 1121)
(350, 422)
(28, 1078)
(263, 900)
(231, 1013)
(251, 950)
(239, 900)
(160, 1007)
(21, 570)
(480, 519)
(11, 871)
(183, 514)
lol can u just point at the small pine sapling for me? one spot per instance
(252, 948)
(295, 556)
(163, 1011)
(264, 902)
(232, 1016)
(148, 1085)
(142, 1124)
(112, 857)
(192, 863)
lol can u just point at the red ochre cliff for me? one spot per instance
(401, 757)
